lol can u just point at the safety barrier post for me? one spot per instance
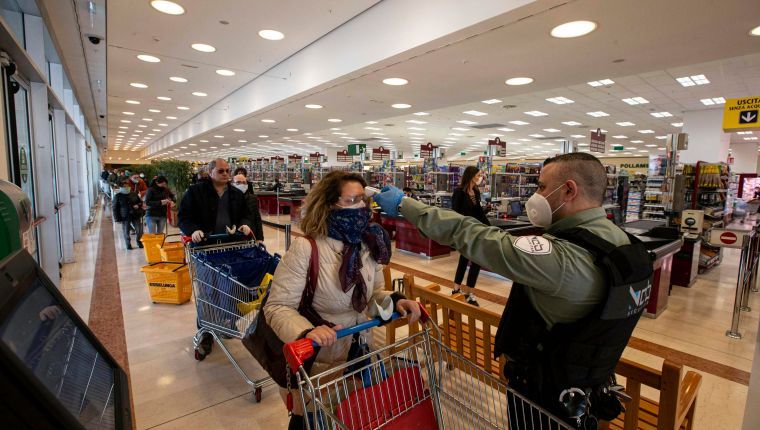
(742, 282)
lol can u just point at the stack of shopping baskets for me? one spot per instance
(166, 273)
(230, 278)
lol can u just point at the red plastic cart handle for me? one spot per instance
(303, 349)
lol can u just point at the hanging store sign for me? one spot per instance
(315, 158)
(380, 154)
(357, 148)
(427, 150)
(598, 141)
(497, 148)
(741, 114)
(277, 161)
(344, 156)
(294, 158)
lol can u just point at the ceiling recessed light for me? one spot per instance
(242, 141)
(199, 94)
(551, 130)
(335, 120)
(138, 85)
(597, 114)
(313, 106)
(164, 98)
(148, 58)
(661, 114)
(750, 138)
(620, 136)
(536, 135)
(178, 79)
(183, 108)
(395, 81)
(225, 72)
(518, 81)
(491, 101)
(625, 124)
(126, 121)
(536, 113)
(132, 102)
(560, 100)
(147, 119)
(171, 117)
(577, 136)
(571, 123)
(271, 35)
(203, 47)
(292, 130)
(755, 31)
(713, 101)
(128, 113)
(219, 136)
(690, 81)
(401, 106)
(163, 124)
(573, 29)
(519, 122)
(601, 83)
(268, 121)
(636, 101)
(504, 129)
(637, 141)
(125, 127)
(646, 131)
(474, 113)
(167, 7)
(465, 122)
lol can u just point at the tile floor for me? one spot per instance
(173, 390)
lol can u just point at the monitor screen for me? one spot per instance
(41, 333)
(515, 209)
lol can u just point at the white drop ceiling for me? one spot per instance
(656, 41)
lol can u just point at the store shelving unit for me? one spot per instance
(636, 187)
(517, 181)
(709, 194)
(653, 207)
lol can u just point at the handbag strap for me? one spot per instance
(305, 307)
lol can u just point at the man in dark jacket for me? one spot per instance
(128, 210)
(214, 206)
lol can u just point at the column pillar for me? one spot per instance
(745, 157)
(707, 141)
(65, 213)
(73, 170)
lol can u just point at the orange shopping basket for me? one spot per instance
(172, 251)
(152, 245)
(168, 282)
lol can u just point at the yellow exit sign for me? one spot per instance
(741, 114)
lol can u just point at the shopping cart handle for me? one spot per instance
(303, 349)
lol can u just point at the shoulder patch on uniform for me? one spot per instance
(534, 245)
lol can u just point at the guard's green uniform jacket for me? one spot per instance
(564, 284)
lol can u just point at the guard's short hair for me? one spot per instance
(586, 170)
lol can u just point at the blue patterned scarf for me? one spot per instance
(352, 227)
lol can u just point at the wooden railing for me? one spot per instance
(469, 330)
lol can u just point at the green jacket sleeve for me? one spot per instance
(541, 262)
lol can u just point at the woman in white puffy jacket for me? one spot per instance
(352, 252)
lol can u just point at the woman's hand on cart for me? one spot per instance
(324, 335)
(303, 349)
(410, 308)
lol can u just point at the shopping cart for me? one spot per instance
(230, 278)
(417, 382)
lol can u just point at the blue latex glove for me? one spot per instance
(389, 199)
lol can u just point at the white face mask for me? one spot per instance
(241, 187)
(539, 210)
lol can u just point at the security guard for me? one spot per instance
(562, 303)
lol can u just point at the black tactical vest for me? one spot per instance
(584, 353)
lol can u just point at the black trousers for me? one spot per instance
(137, 226)
(472, 275)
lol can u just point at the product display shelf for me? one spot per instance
(709, 194)
(516, 180)
(653, 207)
(732, 195)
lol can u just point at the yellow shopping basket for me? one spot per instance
(168, 282)
(172, 251)
(152, 245)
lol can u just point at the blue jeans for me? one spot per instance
(156, 224)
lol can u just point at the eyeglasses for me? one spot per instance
(350, 200)
(222, 171)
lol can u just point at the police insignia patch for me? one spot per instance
(534, 245)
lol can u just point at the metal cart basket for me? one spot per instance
(417, 382)
(226, 303)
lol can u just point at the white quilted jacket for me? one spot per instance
(329, 300)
